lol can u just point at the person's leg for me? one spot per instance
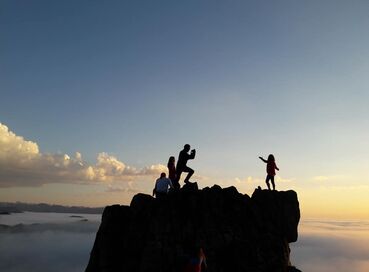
(175, 184)
(272, 180)
(178, 175)
(267, 181)
(189, 175)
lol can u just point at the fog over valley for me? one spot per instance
(55, 242)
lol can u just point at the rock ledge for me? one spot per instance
(237, 232)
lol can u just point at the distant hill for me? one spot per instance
(17, 207)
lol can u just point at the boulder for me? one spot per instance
(236, 232)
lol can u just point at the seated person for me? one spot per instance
(162, 186)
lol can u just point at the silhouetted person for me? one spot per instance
(172, 172)
(196, 260)
(182, 163)
(162, 186)
(271, 167)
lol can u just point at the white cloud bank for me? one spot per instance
(332, 246)
(22, 164)
(323, 246)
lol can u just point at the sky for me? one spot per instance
(95, 96)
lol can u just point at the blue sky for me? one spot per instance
(239, 79)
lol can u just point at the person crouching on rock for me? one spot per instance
(182, 163)
(271, 167)
(162, 186)
(172, 172)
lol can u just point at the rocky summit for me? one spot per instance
(236, 232)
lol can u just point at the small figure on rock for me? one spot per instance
(172, 172)
(196, 260)
(182, 163)
(162, 186)
(271, 167)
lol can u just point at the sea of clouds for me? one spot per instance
(58, 242)
(332, 246)
(46, 241)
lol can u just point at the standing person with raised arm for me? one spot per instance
(271, 167)
(183, 157)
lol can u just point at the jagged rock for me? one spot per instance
(237, 233)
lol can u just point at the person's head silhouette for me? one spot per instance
(271, 158)
(163, 175)
(171, 159)
(186, 147)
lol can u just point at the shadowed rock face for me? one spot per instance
(237, 233)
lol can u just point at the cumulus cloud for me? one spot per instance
(153, 169)
(22, 164)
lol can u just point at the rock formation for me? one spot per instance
(237, 233)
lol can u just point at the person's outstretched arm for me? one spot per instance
(192, 155)
(276, 167)
(261, 158)
(154, 191)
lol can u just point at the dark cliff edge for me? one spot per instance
(237, 232)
